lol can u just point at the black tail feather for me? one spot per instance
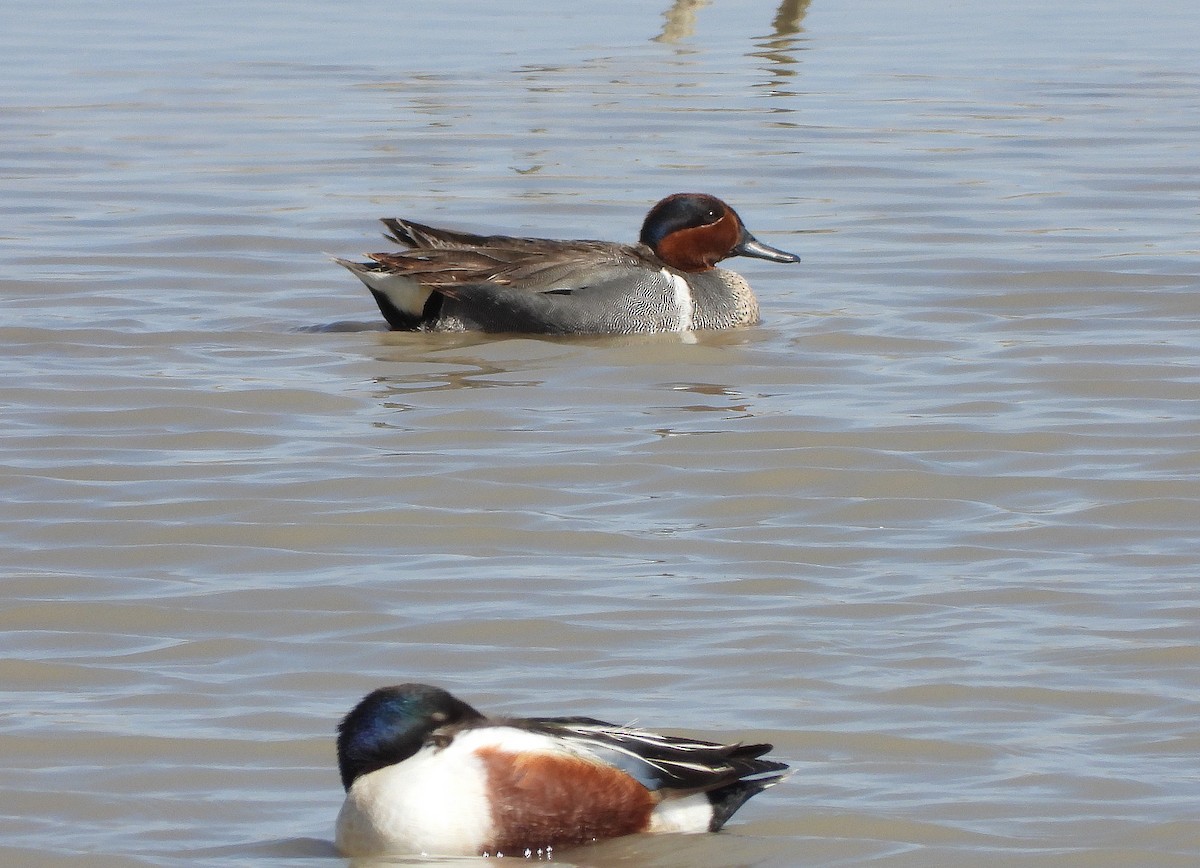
(727, 799)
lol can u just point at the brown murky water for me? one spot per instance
(932, 528)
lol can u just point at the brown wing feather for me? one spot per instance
(423, 237)
(445, 267)
(537, 264)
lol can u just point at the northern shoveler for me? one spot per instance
(668, 282)
(426, 773)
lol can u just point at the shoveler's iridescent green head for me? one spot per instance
(694, 231)
(391, 724)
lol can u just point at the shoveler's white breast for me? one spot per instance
(435, 802)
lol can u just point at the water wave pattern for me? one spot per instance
(931, 528)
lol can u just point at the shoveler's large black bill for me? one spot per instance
(751, 246)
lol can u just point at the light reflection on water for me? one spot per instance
(931, 528)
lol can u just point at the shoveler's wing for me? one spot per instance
(666, 762)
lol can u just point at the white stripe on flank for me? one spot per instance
(683, 300)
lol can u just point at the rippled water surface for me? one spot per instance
(932, 528)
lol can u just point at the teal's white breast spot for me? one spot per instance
(684, 303)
